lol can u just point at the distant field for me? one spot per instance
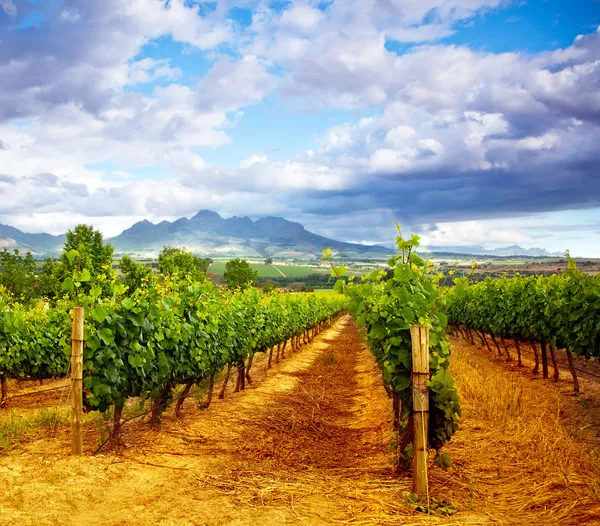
(524, 261)
(268, 271)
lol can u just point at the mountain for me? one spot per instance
(209, 234)
(37, 244)
(478, 250)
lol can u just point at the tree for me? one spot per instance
(238, 273)
(297, 286)
(85, 250)
(269, 261)
(49, 279)
(135, 274)
(179, 262)
(17, 274)
(269, 286)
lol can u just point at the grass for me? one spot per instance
(268, 271)
(516, 449)
(17, 426)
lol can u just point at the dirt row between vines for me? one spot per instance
(306, 444)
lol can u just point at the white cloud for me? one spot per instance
(398, 136)
(9, 8)
(70, 15)
(469, 233)
(148, 70)
(426, 33)
(254, 159)
(230, 84)
(302, 18)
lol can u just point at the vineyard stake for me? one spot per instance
(544, 360)
(77, 381)
(420, 375)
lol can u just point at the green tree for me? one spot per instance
(134, 274)
(85, 250)
(239, 274)
(49, 279)
(179, 262)
(269, 286)
(17, 274)
(297, 286)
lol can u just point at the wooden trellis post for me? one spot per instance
(420, 375)
(77, 382)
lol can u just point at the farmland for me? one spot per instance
(270, 271)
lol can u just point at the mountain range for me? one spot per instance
(208, 234)
(478, 250)
(37, 244)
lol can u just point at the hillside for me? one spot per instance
(38, 244)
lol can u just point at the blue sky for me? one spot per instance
(467, 121)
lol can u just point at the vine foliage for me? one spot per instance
(387, 305)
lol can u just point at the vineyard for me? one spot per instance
(548, 313)
(288, 399)
(145, 344)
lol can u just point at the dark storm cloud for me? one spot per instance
(462, 196)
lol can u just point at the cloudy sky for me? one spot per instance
(467, 121)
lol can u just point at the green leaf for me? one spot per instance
(339, 286)
(67, 284)
(71, 255)
(443, 461)
(338, 271)
(85, 275)
(107, 336)
(99, 314)
(128, 303)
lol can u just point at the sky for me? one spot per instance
(468, 122)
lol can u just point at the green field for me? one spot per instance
(268, 271)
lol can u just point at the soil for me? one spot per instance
(305, 443)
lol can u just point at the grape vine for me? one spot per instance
(562, 311)
(387, 308)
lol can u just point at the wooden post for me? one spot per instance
(573, 372)
(420, 376)
(544, 360)
(4, 389)
(77, 382)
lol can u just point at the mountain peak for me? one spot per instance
(141, 226)
(207, 214)
(278, 225)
